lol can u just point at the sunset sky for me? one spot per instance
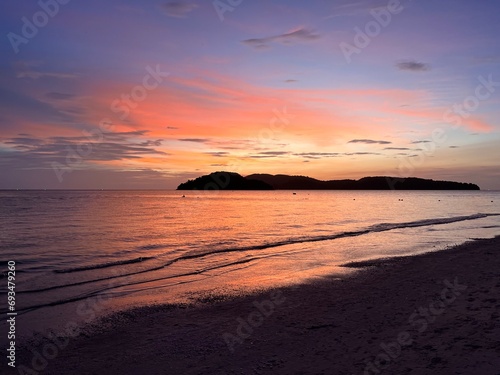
(146, 94)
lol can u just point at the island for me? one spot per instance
(233, 181)
(224, 181)
(286, 182)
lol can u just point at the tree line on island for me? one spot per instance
(234, 181)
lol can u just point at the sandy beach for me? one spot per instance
(435, 313)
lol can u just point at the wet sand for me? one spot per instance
(436, 313)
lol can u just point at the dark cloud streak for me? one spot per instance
(300, 35)
(38, 153)
(417, 142)
(413, 66)
(59, 96)
(178, 9)
(195, 140)
(370, 142)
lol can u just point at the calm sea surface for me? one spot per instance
(82, 254)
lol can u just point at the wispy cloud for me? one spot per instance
(156, 143)
(417, 142)
(486, 60)
(223, 143)
(29, 69)
(37, 152)
(353, 8)
(269, 154)
(262, 156)
(178, 9)
(318, 155)
(292, 37)
(413, 66)
(36, 75)
(17, 108)
(218, 154)
(361, 153)
(59, 96)
(398, 148)
(275, 153)
(195, 140)
(370, 142)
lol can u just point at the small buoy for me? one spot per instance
(294, 193)
(183, 196)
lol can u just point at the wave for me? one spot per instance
(93, 293)
(426, 222)
(103, 265)
(290, 241)
(490, 226)
(371, 229)
(151, 247)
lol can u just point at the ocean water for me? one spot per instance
(83, 254)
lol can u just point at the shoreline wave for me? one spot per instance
(382, 227)
(197, 255)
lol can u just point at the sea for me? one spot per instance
(81, 255)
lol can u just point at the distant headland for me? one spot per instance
(224, 181)
(234, 181)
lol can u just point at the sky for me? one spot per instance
(146, 94)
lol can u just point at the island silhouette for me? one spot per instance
(233, 181)
(224, 181)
